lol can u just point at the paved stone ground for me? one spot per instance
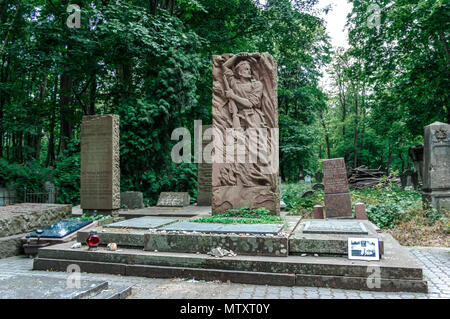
(435, 262)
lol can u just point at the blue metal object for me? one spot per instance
(60, 229)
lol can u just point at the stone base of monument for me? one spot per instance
(171, 247)
(440, 200)
(104, 212)
(329, 237)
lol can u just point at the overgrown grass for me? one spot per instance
(243, 215)
(392, 209)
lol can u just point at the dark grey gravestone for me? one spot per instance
(143, 222)
(132, 200)
(334, 227)
(173, 199)
(225, 228)
(436, 166)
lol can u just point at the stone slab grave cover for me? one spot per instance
(100, 167)
(142, 223)
(337, 195)
(204, 176)
(225, 228)
(436, 169)
(245, 132)
(173, 199)
(335, 227)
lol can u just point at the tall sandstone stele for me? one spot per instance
(337, 196)
(245, 132)
(436, 166)
(100, 167)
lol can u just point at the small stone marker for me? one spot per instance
(131, 200)
(337, 195)
(204, 176)
(174, 199)
(360, 211)
(436, 169)
(100, 167)
(318, 212)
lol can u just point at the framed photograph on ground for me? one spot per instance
(363, 248)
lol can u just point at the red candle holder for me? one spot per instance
(93, 240)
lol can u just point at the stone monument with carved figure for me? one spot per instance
(436, 166)
(245, 132)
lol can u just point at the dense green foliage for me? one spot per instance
(243, 215)
(150, 63)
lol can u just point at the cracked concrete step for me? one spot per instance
(114, 291)
(20, 286)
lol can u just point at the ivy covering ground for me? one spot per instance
(392, 209)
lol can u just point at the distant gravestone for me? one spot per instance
(436, 169)
(319, 177)
(282, 203)
(308, 179)
(132, 200)
(100, 167)
(50, 189)
(337, 195)
(416, 155)
(173, 199)
(204, 176)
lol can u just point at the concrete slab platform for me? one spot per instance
(187, 211)
(398, 271)
(42, 287)
(143, 222)
(334, 227)
(225, 228)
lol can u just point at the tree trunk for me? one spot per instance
(355, 158)
(50, 160)
(65, 112)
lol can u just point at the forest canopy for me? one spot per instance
(150, 63)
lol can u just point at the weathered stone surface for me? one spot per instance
(11, 246)
(100, 167)
(204, 175)
(335, 176)
(225, 228)
(318, 212)
(23, 218)
(44, 287)
(337, 196)
(334, 227)
(143, 223)
(317, 187)
(132, 200)
(173, 199)
(436, 172)
(245, 128)
(203, 243)
(360, 211)
(338, 205)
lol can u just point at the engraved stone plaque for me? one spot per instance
(173, 199)
(100, 167)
